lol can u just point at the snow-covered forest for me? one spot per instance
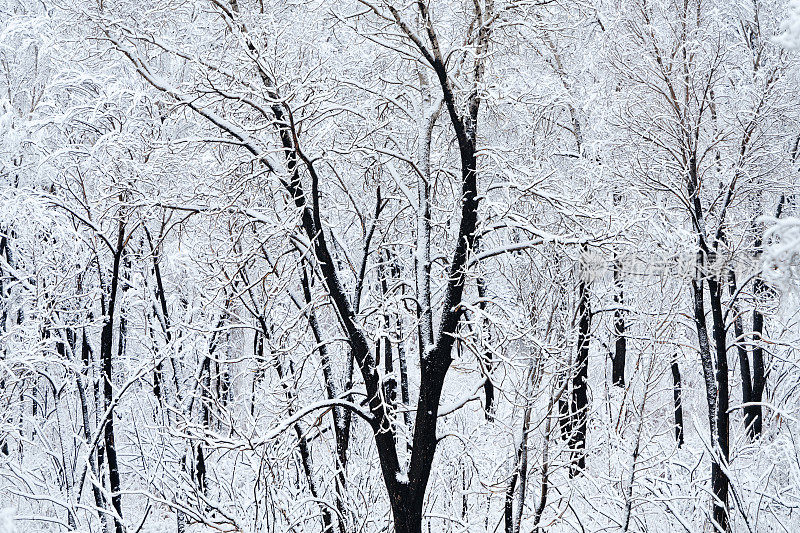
(345, 266)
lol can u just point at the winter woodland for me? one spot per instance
(345, 266)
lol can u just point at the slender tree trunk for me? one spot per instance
(540, 507)
(3, 318)
(719, 478)
(106, 356)
(635, 460)
(162, 313)
(759, 369)
(716, 385)
(343, 444)
(337, 413)
(423, 255)
(678, 402)
(87, 355)
(258, 373)
(711, 386)
(579, 404)
(486, 363)
(620, 340)
(87, 429)
(515, 494)
(759, 374)
(87, 435)
(741, 350)
(205, 391)
(3, 310)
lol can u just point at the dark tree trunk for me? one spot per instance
(258, 373)
(515, 493)
(390, 381)
(759, 374)
(579, 403)
(744, 358)
(86, 356)
(162, 312)
(401, 355)
(716, 384)
(200, 468)
(488, 387)
(709, 378)
(754, 412)
(343, 444)
(206, 401)
(86, 349)
(676, 393)
(106, 356)
(3, 309)
(3, 317)
(620, 341)
(620, 350)
(508, 504)
(337, 413)
(87, 435)
(719, 478)
(205, 389)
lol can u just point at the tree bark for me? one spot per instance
(106, 356)
(759, 373)
(486, 363)
(719, 478)
(678, 402)
(755, 420)
(620, 341)
(515, 493)
(579, 403)
(340, 432)
(741, 350)
(163, 315)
